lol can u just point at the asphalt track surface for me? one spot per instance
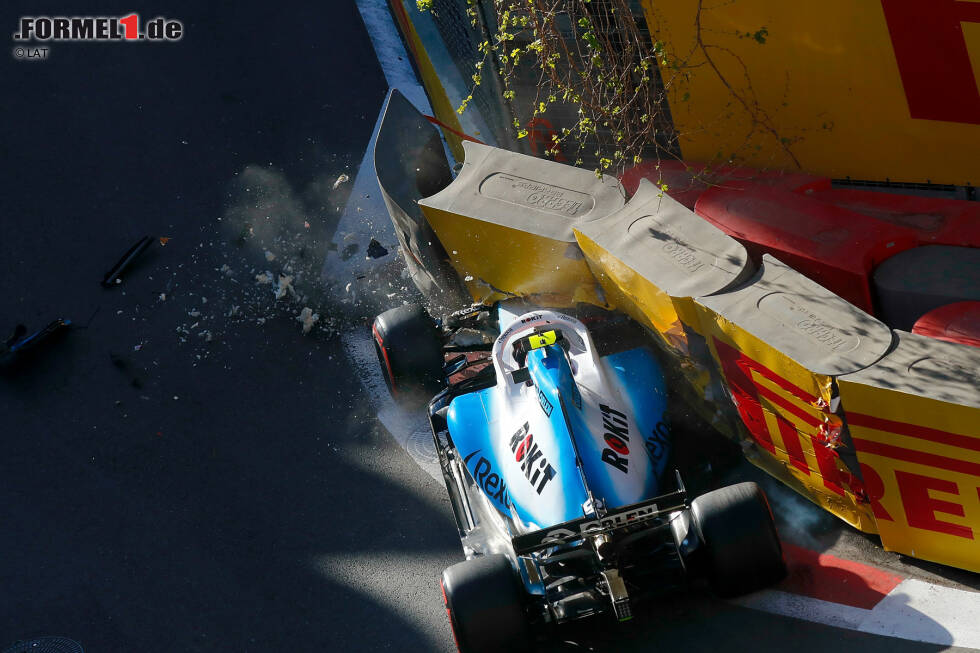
(190, 472)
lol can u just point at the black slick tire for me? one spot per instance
(485, 604)
(742, 550)
(409, 351)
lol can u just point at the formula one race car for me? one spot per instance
(555, 457)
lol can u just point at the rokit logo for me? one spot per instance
(491, 482)
(616, 427)
(534, 464)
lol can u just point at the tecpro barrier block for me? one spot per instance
(410, 163)
(914, 418)
(506, 222)
(651, 258)
(780, 341)
(654, 255)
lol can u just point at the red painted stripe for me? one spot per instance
(914, 431)
(788, 405)
(828, 578)
(786, 385)
(384, 353)
(793, 446)
(465, 137)
(917, 457)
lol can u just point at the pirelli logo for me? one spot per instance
(920, 478)
(917, 485)
(789, 422)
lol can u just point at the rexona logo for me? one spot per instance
(490, 481)
(545, 404)
(535, 466)
(616, 434)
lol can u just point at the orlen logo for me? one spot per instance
(616, 427)
(533, 463)
(491, 482)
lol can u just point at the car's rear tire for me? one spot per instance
(484, 600)
(409, 351)
(742, 549)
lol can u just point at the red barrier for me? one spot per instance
(937, 221)
(835, 236)
(959, 322)
(835, 247)
(687, 181)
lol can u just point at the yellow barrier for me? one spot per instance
(915, 421)
(780, 341)
(506, 223)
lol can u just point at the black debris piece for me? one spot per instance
(376, 249)
(112, 276)
(20, 343)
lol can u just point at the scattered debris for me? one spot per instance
(467, 337)
(112, 276)
(264, 278)
(284, 286)
(376, 249)
(308, 318)
(342, 179)
(269, 256)
(20, 343)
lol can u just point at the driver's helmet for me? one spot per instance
(540, 337)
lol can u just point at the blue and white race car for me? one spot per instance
(555, 458)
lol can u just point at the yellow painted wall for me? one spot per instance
(920, 458)
(830, 78)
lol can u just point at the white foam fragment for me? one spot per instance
(284, 286)
(308, 318)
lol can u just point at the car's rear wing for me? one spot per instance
(623, 517)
